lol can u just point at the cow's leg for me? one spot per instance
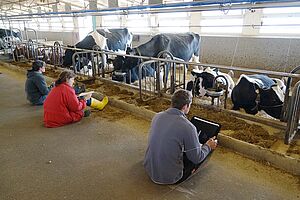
(189, 86)
(235, 107)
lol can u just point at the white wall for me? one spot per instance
(278, 54)
(68, 38)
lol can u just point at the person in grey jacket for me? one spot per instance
(36, 87)
(174, 151)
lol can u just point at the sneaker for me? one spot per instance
(87, 113)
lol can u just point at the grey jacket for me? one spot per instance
(171, 134)
(36, 87)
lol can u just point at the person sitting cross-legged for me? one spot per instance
(62, 106)
(174, 151)
(36, 87)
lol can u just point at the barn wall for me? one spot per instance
(260, 53)
(68, 38)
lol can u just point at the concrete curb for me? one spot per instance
(273, 158)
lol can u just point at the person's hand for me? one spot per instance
(51, 85)
(88, 96)
(212, 142)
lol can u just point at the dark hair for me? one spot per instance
(36, 65)
(181, 98)
(63, 76)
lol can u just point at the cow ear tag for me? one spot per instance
(257, 91)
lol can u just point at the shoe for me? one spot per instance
(86, 113)
(99, 104)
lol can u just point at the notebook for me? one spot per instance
(205, 128)
(85, 93)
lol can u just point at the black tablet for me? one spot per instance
(206, 129)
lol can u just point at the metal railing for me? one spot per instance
(99, 69)
(286, 104)
(149, 87)
(293, 115)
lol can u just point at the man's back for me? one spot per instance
(35, 86)
(171, 134)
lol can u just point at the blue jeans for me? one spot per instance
(189, 166)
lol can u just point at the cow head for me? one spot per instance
(271, 101)
(202, 81)
(130, 62)
(118, 63)
(67, 59)
(244, 95)
(126, 63)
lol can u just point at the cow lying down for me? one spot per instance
(204, 79)
(258, 92)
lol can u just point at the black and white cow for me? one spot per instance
(258, 92)
(117, 39)
(7, 36)
(109, 39)
(204, 79)
(183, 46)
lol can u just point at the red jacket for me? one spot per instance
(62, 106)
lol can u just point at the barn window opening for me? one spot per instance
(173, 22)
(43, 24)
(222, 22)
(138, 23)
(111, 21)
(281, 21)
(55, 24)
(85, 26)
(68, 24)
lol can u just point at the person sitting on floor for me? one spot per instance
(62, 106)
(174, 151)
(36, 87)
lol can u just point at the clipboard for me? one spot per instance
(205, 128)
(85, 93)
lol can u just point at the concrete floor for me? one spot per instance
(101, 158)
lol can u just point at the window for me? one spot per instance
(43, 24)
(225, 22)
(68, 24)
(111, 21)
(138, 23)
(173, 22)
(281, 21)
(85, 26)
(32, 24)
(56, 24)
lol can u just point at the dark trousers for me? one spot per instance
(189, 166)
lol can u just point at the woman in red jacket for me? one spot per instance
(62, 106)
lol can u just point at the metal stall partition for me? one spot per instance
(177, 71)
(100, 62)
(56, 58)
(287, 104)
(293, 115)
(82, 63)
(149, 87)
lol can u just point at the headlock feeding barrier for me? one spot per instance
(155, 76)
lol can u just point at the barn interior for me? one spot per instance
(101, 157)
